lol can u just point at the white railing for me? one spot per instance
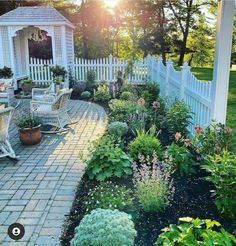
(182, 85)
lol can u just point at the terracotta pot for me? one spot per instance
(27, 88)
(30, 136)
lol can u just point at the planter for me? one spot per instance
(27, 88)
(30, 136)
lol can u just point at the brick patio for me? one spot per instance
(38, 190)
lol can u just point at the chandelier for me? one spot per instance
(34, 33)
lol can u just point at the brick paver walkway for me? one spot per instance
(38, 190)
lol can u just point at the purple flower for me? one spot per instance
(156, 105)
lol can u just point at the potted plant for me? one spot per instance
(27, 85)
(59, 75)
(6, 75)
(29, 129)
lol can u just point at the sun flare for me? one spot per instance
(111, 3)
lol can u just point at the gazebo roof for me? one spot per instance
(34, 15)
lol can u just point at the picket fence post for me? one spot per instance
(184, 77)
(168, 66)
(159, 61)
(110, 68)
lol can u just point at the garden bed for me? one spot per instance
(191, 194)
(192, 198)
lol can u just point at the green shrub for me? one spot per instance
(153, 88)
(129, 87)
(118, 129)
(222, 170)
(58, 71)
(127, 95)
(122, 109)
(178, 118)
(107, 160)
(109, 195)
(102, 93)
(153, 185)
(90, 80)
(85, 95)
(105, 227)
(179, 158)
(216, 138)
(6, 73)
(191, 232)
(145, 144)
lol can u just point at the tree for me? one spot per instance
(184, 13)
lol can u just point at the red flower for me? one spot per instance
(141, 101)
(197, 130)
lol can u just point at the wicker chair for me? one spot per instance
(43, 94)
(5, 146)
(53, 113)
(8, 97)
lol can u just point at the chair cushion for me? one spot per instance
(45, 109)
(3, 94)
(3, 87)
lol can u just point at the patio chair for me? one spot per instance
(7, 96)
(53, 113)
(5, 146)
(43, 94)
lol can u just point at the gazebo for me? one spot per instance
(19, 26)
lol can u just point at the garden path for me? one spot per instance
(38, 190)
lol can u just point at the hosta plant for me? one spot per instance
(107, 160)
(222, 173)
(105, 227)
(153, 185)
(109, 195)
(102, 93)
(191, 232)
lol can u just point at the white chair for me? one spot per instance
(53, 113)
(8, 97)
(43, 94)
(5, 146)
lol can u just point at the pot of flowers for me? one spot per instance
(29, 130)
(27, 85)
(6, 75)
(59, 75)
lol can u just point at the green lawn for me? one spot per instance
(206, 74)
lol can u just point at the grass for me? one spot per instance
(206, 74)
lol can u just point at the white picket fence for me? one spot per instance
(182, 85)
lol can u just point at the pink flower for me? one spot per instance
(156, 105)
(197, 130)
(141, 101)
(178, 135)
(228, 130)
(187, 142)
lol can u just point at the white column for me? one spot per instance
(12, 56)
(226, 9)
(167, 87)
(64, 54)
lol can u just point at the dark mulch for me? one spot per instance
(192, 198)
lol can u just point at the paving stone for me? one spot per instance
(38, 189)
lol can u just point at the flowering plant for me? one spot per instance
(109, 195)
(153, 184)
(214, 139)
